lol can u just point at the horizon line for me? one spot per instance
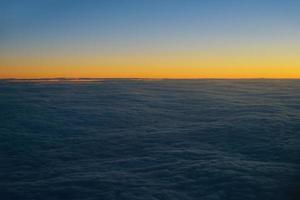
(149, 78)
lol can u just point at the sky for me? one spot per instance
(150, 38)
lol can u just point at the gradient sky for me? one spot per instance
(150, 38)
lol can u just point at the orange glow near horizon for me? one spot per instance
(153, 72)
(179, 66)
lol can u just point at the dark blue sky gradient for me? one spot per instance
(57, 19)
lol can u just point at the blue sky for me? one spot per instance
(57, 19)
(68, 26)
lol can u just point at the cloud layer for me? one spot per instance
(150, 139)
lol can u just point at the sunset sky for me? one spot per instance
(150, 38)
